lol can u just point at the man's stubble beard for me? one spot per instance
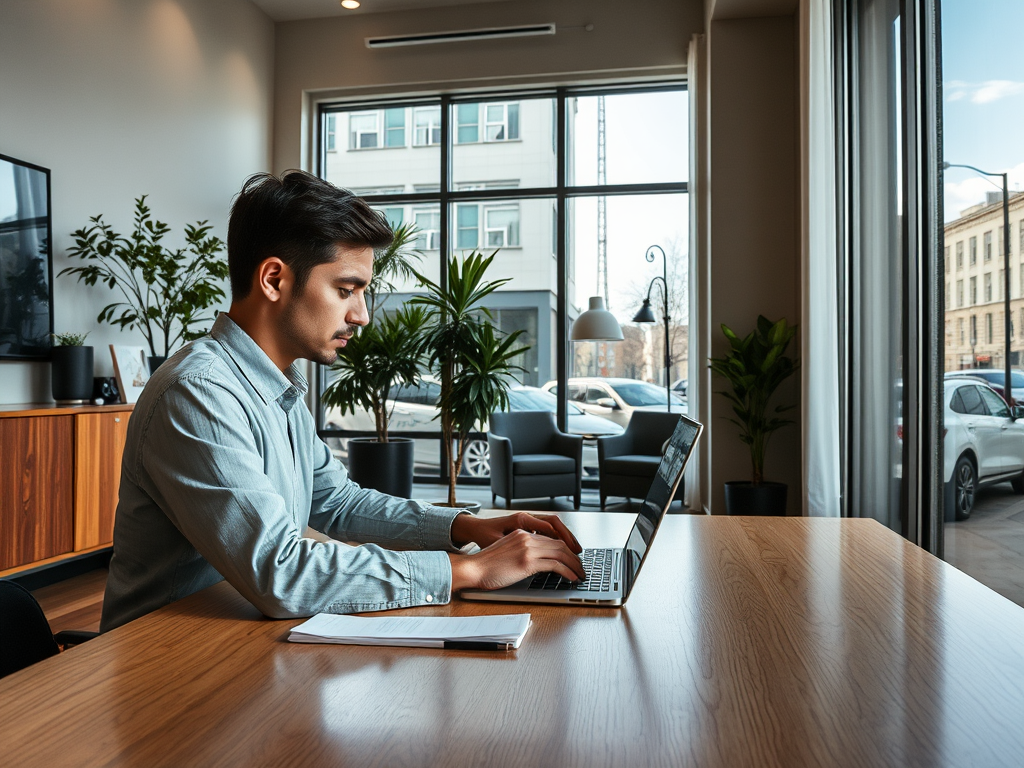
(292, 331)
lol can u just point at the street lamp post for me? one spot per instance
(645, 315)
(1007, 322)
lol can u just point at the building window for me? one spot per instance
(362, 130)
(467, 123)
(974, 330)
(974, 251)
(945, 258)
(988, 286)
(988, 328)
(959, 293)
(468, 222)
(395, 216)
(330, 133)
(502, 227)
(394, 127)
(961, 327)
(987, 247)
(428, 222)
(999, 243)
(974, 291)
(960, 254)
(428, 126)
(502, 122)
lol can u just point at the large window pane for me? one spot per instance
(506, 144)
(645, 138)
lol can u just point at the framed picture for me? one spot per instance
(132, 368)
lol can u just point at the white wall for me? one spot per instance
(170, 98)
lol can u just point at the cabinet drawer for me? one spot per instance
(99, 444)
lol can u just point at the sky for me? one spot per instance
(983, 99)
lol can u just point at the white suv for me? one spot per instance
(983, 444)
(615, 399)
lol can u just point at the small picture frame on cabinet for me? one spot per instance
(132, 369)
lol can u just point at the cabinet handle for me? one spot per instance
(117, 419)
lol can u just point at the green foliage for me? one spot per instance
(164, 291)
(471, 359)
(387, 351)
(755, 367)
(69, 339)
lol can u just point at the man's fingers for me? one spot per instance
(551, 526)
(566, 535)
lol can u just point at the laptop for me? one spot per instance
(612, 572)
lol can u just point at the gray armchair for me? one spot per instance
(530, 458)
(629, 462)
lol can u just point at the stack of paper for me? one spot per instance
(459, 632)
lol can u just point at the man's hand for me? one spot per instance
(488, 530)
(515, 546)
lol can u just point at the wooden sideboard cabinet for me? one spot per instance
(60, 468)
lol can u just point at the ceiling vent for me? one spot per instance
(491, 33)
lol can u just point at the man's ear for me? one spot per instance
(272, 277)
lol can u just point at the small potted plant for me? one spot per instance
(470, 358)
(388, 352)
(71, 369)
(755, 366)
(163, 291)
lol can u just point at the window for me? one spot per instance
(362, 128)
(974, 330)
(428, 222)
(467, 123)
(394, 215)
(988, 328)
(999, 243)
(959, 293)
(987, 247)
(995, 404)
(468, 222)
(960, 323)
(988, 286)
(960, 254)
(330, 130)
(428, 126)
(945, 259)
(974, 291)
(502, 122)
(974, 251)
(502, 227)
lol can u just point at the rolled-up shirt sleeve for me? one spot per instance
(204, 465)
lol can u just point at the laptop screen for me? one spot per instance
(667, 479)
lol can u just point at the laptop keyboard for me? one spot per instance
(597, 564)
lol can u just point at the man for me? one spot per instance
(223, 469)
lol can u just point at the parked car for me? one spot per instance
(679, 387)
(996, 378)
(415, 407)
(616, 399)
(983, 443)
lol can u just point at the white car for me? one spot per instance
(615, 399)
(983, 444)
(415, 409)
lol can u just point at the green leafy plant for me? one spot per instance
(471, 359)
(389, 350)
(164, 291)
(69, 339)
(755, 367)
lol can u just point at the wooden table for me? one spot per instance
(747, 642)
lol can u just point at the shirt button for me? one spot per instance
(429, 598)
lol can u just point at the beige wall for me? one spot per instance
(118, 98)
(754, 252)
(328, 58)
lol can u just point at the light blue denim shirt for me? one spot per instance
(222, 472)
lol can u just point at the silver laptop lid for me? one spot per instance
(659, 497)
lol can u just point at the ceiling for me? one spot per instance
(290, 10)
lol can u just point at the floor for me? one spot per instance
(989, 546)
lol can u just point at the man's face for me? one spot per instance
(318, 321)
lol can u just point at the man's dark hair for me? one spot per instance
(300, 219)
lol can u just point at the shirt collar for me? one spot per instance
(259, 370)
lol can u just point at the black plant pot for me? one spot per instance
(385, 467)
(71, 374)
(743, 498)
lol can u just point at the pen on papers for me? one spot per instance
(474, 645)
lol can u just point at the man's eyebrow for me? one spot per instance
(356, 281)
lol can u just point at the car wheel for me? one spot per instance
(1018, 483)
(476, 461)
(965, 486)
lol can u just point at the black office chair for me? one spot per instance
(628, 462)
(531, 458)
(25, 636)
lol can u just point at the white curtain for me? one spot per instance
(819, 331)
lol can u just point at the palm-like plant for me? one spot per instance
(164, 291)
(755, 367)
(471, 359)
(389, 350)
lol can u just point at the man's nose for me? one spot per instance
(358, 314)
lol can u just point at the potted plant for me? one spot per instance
(71, 369)
(471, 359)
(386, 353)
(164, 292)
(755, 366)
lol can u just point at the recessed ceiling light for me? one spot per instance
(350, 4)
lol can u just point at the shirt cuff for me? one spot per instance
(430, 578)
(436, 530)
